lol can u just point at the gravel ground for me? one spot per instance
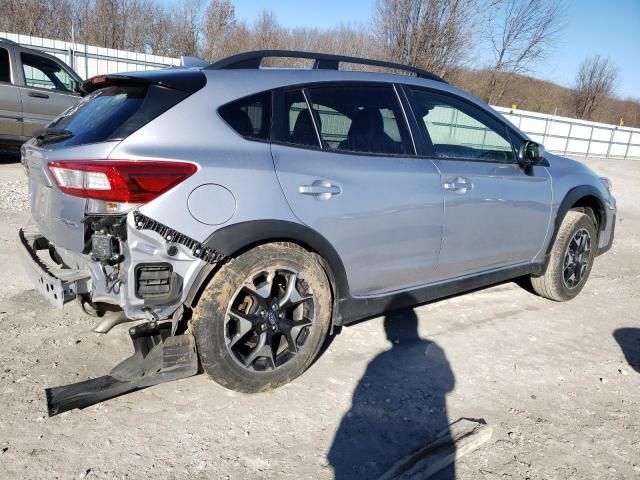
(14, 196)
(550, 378)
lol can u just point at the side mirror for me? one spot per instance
(531, 154)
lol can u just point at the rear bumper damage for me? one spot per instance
(57, 284)
(130, 263)
(140, 266)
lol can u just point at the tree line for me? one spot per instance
(489, 47)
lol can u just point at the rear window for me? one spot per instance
(249, 117)
(114, 113)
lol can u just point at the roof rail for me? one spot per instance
(322, 61)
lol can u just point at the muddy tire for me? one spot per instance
(571, 259)
(263, 317)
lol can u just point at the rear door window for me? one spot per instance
(41, 72)
(361, 118)
(250, 116)
(114, 113)
(5, 66)
(294, 123)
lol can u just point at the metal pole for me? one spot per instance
(72, 59)
(454, 123)
(589, 144)
(566, 144)
(547, 125)
(613, 131)
(484, 137)
(626, 151)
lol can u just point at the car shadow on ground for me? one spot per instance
(398, 406)
(629, 341)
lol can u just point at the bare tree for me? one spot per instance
(267, 32)
(521, 33)
(595, 81)
(158, 31)
(187, 27)
(219, 25)
(50, 18)
(432, 34)
(139, 16)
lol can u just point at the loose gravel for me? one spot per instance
(14, 195)
(557, 382)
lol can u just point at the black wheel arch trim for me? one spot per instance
(570, 199)
(234, 239)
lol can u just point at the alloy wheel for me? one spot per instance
(576, 259)
(269, 319)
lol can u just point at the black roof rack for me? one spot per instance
(322, 61)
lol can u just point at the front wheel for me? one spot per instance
(263, 318)
(571, 259)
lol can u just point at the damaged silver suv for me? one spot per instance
(239, 214)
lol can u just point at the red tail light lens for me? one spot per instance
(119, 180)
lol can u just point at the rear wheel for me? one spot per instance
(262, 320)
(571, 259)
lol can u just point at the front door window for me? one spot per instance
(459, 131)
(41, 72)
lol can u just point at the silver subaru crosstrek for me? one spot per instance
(240, 214)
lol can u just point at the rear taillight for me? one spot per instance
(122, 181)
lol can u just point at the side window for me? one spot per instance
(250, 116)
(5, 66)
(296, 123)
(44, 73)
(360, 118)
(459, 131)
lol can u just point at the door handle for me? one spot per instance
(458, 185)
(38, 95)
(320, 189)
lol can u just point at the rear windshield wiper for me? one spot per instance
(50, 135)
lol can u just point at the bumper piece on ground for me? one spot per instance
(157, 358)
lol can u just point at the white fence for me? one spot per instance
(88, 61)
(566, 136)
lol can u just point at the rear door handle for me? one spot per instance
(38, 95)
(320, 189)
(458, 185)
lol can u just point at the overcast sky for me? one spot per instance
(607, 27)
